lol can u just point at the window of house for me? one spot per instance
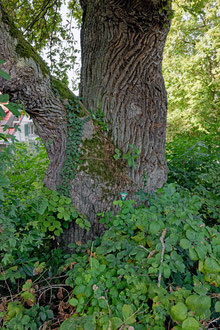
(31, 128)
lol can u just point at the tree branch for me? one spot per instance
(30, 84)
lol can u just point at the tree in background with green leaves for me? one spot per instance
(191, 68)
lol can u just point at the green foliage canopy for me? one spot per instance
(191, 68)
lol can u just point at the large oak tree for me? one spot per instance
(122, 49)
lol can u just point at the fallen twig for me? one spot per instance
(162, 253)
(150, 252)
(91, 255)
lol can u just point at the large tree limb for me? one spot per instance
(30, 84)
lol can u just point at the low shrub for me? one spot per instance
(195, 165)
(155, 267)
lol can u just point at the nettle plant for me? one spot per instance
(156, 267)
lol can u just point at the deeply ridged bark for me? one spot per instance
(122, 46)
(122, 49)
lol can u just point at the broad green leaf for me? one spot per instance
(217, 307)
(198, 304)
(154, 227)
(13, 107)
(211, 266)
(26, 320)
(42, 206)
(185, 243)
(102, 304)
(191, 234)
(58, 232)
(166, 272)
(2, 113)
(192, 254)
(66, 216)
(127, 311)
(4, 98)
(200, 251)
(78, 323)
(190, 324)
(73, 302)
(179, 312)
(79, 289)
(43, 316)
(139, 237)
(116, 322)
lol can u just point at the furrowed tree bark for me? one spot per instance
(122, 49)
(122, 46)
(95, 184)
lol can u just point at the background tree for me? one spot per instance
(191, 69)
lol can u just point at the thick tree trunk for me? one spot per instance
(122, 49)
(121, 52)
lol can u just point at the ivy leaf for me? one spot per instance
(5, 75)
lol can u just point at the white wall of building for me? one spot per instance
(26, 131)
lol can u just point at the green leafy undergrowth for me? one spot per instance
(194, 165)
(29, 226)
(50, 211)
(155, 265)
(25, 166)
(18, 317)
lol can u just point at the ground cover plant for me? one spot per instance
(155, 267)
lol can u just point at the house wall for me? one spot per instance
(26, 132)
